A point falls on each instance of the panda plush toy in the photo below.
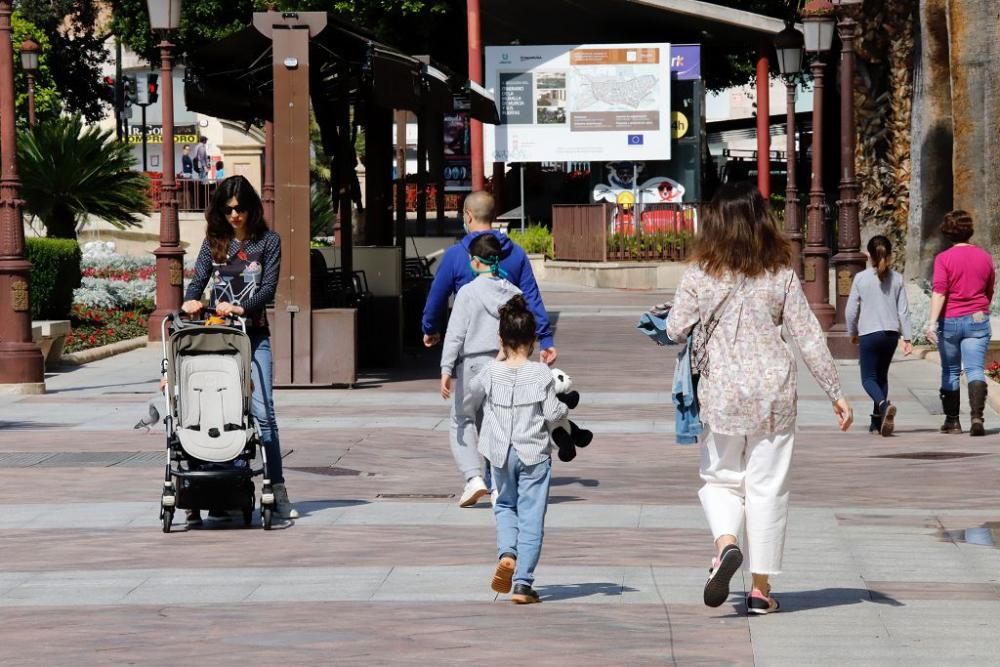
(566, 435)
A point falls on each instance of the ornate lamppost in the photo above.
(849, 260)
(818, 22)
(789, 45)
(165, 16)
(29, 63)
(21, 365)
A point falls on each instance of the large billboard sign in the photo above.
(579, 103)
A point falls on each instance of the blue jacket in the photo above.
(684, 389)
(454, 272)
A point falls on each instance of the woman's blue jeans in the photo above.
(962, 342)
(876, 355)
(262, 405)
(522, 497)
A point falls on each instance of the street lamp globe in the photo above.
(788, 44)
(819, 23)
(29, 55)
(164, 14)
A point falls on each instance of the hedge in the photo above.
(55, 273)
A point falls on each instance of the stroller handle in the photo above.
(181, 320)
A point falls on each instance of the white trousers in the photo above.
(746, 483)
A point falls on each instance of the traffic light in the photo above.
(131, 89)
(152, 88)
(108, 90)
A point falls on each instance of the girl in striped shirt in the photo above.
(518, 398)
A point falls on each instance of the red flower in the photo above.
(93, 339)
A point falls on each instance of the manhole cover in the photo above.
(415, 496)
(929, 456)
(333, 471)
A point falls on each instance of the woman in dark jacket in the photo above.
(240, 260)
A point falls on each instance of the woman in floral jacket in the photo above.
(741, 281)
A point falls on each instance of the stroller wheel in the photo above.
(168, 518)
(266, 517)
(248, 516)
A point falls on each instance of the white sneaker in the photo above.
(475, 489)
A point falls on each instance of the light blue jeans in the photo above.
(522, 498)
(262, 404)
(962, 341)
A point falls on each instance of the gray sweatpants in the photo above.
(465, 422)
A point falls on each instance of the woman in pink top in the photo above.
(741, 279)
(960, 319)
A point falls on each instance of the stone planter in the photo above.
(50, 336)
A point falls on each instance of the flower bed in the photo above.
(94, 327)
(115, 297)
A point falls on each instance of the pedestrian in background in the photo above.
(959, 321)
(220, 172)
(200, 160)
(518, 398)
(877, 314)
(740, 286)
(470, 342)
(187, 166)
(452, 274)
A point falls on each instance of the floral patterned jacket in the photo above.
(751, 383)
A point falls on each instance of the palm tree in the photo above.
(68, 172)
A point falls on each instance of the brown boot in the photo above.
(977, 403)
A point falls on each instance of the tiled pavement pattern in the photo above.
(888, 560)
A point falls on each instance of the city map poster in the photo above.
(579, 103)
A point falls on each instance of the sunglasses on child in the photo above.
(228, 210)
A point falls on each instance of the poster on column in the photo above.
(584, 102)
(457, 153)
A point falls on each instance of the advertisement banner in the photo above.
(183, 134)
(457, 153)
(579, 103)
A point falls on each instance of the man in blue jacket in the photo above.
(452, 274)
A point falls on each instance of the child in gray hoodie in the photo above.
(471, 342)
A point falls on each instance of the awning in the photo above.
(232, 78)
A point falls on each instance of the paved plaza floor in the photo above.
(890, 555)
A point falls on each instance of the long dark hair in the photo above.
(879, 250)
(517, 324)
(740, 235)
(219, 232)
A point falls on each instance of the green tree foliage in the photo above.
(69, 171)
(47, 99)
(74, 51)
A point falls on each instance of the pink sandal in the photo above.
(761, 603)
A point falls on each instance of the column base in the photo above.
(22, 389)
(22, 364)
(840, 345)
(825, 313)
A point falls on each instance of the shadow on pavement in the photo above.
(822, 598)
(557, 500)
(566, 481)
(572, 591)
(306, 507)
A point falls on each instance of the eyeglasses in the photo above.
(228, 210)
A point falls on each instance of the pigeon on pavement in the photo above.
(148, 421)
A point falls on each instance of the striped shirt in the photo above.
(517, 404)
(249, 278)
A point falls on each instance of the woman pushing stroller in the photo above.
(241, 259)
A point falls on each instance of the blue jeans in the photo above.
(522, 497)
(962, 341)
(876, 354)
(262, 404)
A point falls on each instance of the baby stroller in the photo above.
(212, 438)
